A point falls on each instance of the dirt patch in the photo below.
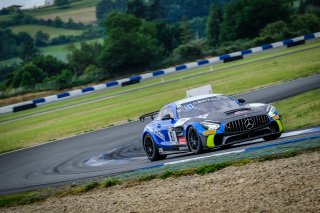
(285, 185)
(25, 97)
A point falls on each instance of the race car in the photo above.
(205, 122)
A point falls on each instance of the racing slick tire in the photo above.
(151, 149)
(194, 141)
(272, 137)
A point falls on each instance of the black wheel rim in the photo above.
(193, 139)
(148, 146)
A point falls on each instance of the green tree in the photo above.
(58, 22)
(131, 44)
(9, 44)
(28, 47)
(49, 64)
(138, 8)
(304, 24)
(64, 79)
(273, 32)
(87, 54)
(213, 25)
(198, 26)
(61, 3)
(104, 7)
(41, 38)
(27, 76)
(189, 52)
(155, 10)
(186, 33)
(26, 80)
(244, 19)
(168, 35)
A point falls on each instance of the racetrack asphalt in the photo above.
(108, 151)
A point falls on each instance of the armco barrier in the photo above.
(24, 107)
(234, 58)
(293, 44)
(183, 67)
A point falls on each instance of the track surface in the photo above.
(109, 151)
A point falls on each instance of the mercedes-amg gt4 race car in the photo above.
(207, 121)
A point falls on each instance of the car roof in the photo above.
(186, 100)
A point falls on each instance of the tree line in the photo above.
(146, 35)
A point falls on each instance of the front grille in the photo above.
(246, 124)
(247, 136)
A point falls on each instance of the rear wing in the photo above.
(150, 114)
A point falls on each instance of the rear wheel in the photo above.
(194, 141)
(151, 149)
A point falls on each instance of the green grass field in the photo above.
(10, 61)
(52, 31)
(60, 51)
(86, 117)
(5, 18)
(80, 11)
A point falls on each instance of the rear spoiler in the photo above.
(150, 114)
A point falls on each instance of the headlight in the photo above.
(210, 125)
(272, 111)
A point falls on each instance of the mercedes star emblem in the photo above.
(249, 123)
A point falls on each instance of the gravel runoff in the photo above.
(285, 185)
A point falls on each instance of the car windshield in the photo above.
(204, 106)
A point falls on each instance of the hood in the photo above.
(233, 113)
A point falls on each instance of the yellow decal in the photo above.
(209, 132)
(276, 117)
(210, 141)
(280, 125)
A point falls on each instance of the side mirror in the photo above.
(241, 101)
(166, 117)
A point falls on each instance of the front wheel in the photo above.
(272, 137)
(151, 149)
(194, 141)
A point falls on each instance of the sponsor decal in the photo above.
(173, 137)
(157, 132)
(276, 117)
(191, 105)
(209, 132)
(182, 140)
(203, 116)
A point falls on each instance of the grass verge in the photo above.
(301, 110)
(268, 55)
(35, 196)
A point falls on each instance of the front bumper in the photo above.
(222, 138)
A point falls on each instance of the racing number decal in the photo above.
(173, 137)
